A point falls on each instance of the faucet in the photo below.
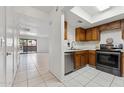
(72, 44)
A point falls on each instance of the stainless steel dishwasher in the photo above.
(69, 62)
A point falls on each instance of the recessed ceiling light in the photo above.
(102, 8)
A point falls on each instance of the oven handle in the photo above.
(114, 53)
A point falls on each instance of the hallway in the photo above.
(33, 72)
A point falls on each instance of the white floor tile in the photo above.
(92, 84)
(21, 84)
(58, 84)
(82, 80)
(72, 83)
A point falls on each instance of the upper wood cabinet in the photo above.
(92, 34)
(89, 34)
(115, 25)
(65, 32)
(79, 34)
(95, 34)
(103, 27)
(122, 28)
(92, 57)
(110, 26)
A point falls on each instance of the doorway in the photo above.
(28, 45)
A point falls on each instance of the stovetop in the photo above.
(110, 50)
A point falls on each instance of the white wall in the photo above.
(42, 44)
(56, 38)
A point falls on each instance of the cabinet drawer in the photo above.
(92, 52)
(81, 52)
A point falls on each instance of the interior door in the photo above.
(2, 46)
(9, 46)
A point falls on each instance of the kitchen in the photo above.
(99, 46)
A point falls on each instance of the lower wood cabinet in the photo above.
(122, 64)
(92, 58)
(81, 59)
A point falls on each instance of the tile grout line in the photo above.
(112, 81)
(92, 79)
(40, 74)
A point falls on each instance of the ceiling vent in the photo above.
(79, 21)
(26, 29)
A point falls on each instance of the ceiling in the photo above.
(46, 9)
(91, 10)
(91, 16)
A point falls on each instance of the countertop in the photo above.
(75, 50)
(122, 50)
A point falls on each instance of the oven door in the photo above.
(109, 59)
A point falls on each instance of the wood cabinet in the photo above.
(92, 34)
(122, 28)
(110, 26)
(92, 57)
(88, 34)
(103, 27)
(81, 59)
(122, 64)
(65, 32)
(79, 34)
(114, 25)
(95, 34)
(77, 61)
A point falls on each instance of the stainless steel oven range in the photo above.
(108, 61)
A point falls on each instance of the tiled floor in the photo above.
(33, 72)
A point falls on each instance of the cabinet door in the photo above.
(77, 62)
(114, 25)
(88, 34)
(92, 58)
(103, 27)
(83, 60)
(122, 28)
(82, 35)
(122, 64)
(95, 34)
(79, 34)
